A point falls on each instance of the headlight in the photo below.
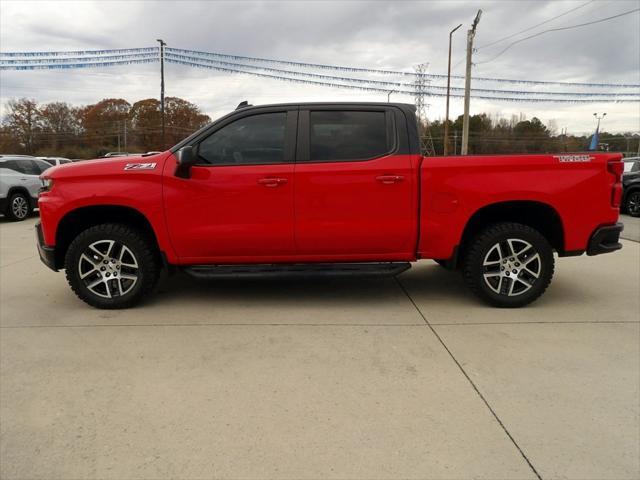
(46, 184)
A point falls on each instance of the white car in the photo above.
(19, 185)
(55, 160)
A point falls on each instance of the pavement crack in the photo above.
(495, 415)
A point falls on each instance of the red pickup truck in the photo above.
(324, 188)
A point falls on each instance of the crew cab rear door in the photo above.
(237, 207)
(355, 195)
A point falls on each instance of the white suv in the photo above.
(19, 185)
(54, 161)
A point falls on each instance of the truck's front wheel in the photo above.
(111, 266)
(509, 265)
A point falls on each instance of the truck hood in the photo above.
(108, 167)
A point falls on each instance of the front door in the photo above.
(238, 204)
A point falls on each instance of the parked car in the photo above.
(324, 188)
(631, 187)
(19, 185)
(55, 160)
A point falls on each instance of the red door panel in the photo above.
(230, 214)
(356, 208)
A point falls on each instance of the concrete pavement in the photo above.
(350, 379)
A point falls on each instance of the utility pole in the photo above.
(446, 122)
(471, 33)
(125, 134)
(162, 45)
(389, 95)
(455, 142)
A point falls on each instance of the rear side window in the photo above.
(348, 135)
(48, 160)
(635, 167)
(258, 139)
(14, 165)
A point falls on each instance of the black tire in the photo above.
(632, 203)
(138, 250)
(498, 242)
(19, 207)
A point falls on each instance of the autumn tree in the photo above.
(23, 121)
(60, 124)
(182, 118)
(103, 122)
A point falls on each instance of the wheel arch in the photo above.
(81, 218)
(535, 214)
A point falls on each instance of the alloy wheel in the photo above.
(633, 205)
(108, 268)
(19, 207)
(511, 267)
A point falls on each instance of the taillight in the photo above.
(616, 168)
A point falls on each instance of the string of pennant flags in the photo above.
(282, 70)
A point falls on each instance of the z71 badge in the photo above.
(140, 166)
(574, 158)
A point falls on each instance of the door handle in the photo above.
(389, 179)
(272, 181)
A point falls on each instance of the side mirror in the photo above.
(186, 159)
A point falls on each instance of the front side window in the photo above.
(348, 136)
(258, 139)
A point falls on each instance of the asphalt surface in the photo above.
(321, 378)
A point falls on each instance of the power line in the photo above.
(386, 90)
(536, 26)
(28, 57)
(396, 72)
(560, 29)
(431, 88)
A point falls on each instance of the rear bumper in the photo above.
(605, 239)
(47, 254)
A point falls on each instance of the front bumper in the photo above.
(605, 239)
(47, 254)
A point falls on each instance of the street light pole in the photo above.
(389, 95)
(162, 45)
(446, 122)
(467, 84)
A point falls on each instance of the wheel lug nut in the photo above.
(102, 269)
(517, 264)
(502, 268)
(514, 271)
(108, 274)
(508, 274)
(512, 259)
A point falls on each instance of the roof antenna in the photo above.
(243, 105)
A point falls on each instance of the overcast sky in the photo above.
(380, 34)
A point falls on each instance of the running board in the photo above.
(297, 269)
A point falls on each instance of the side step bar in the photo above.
(297, 269)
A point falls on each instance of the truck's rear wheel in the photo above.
(509, 265)
(111, 266)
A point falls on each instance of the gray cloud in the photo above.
(389, 34)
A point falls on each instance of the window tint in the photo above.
(247, 141)
(41, 166)
(30, 167)
(14, 165)
(635, 167)
(65, 161)
(343, 135)
(48, 160)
